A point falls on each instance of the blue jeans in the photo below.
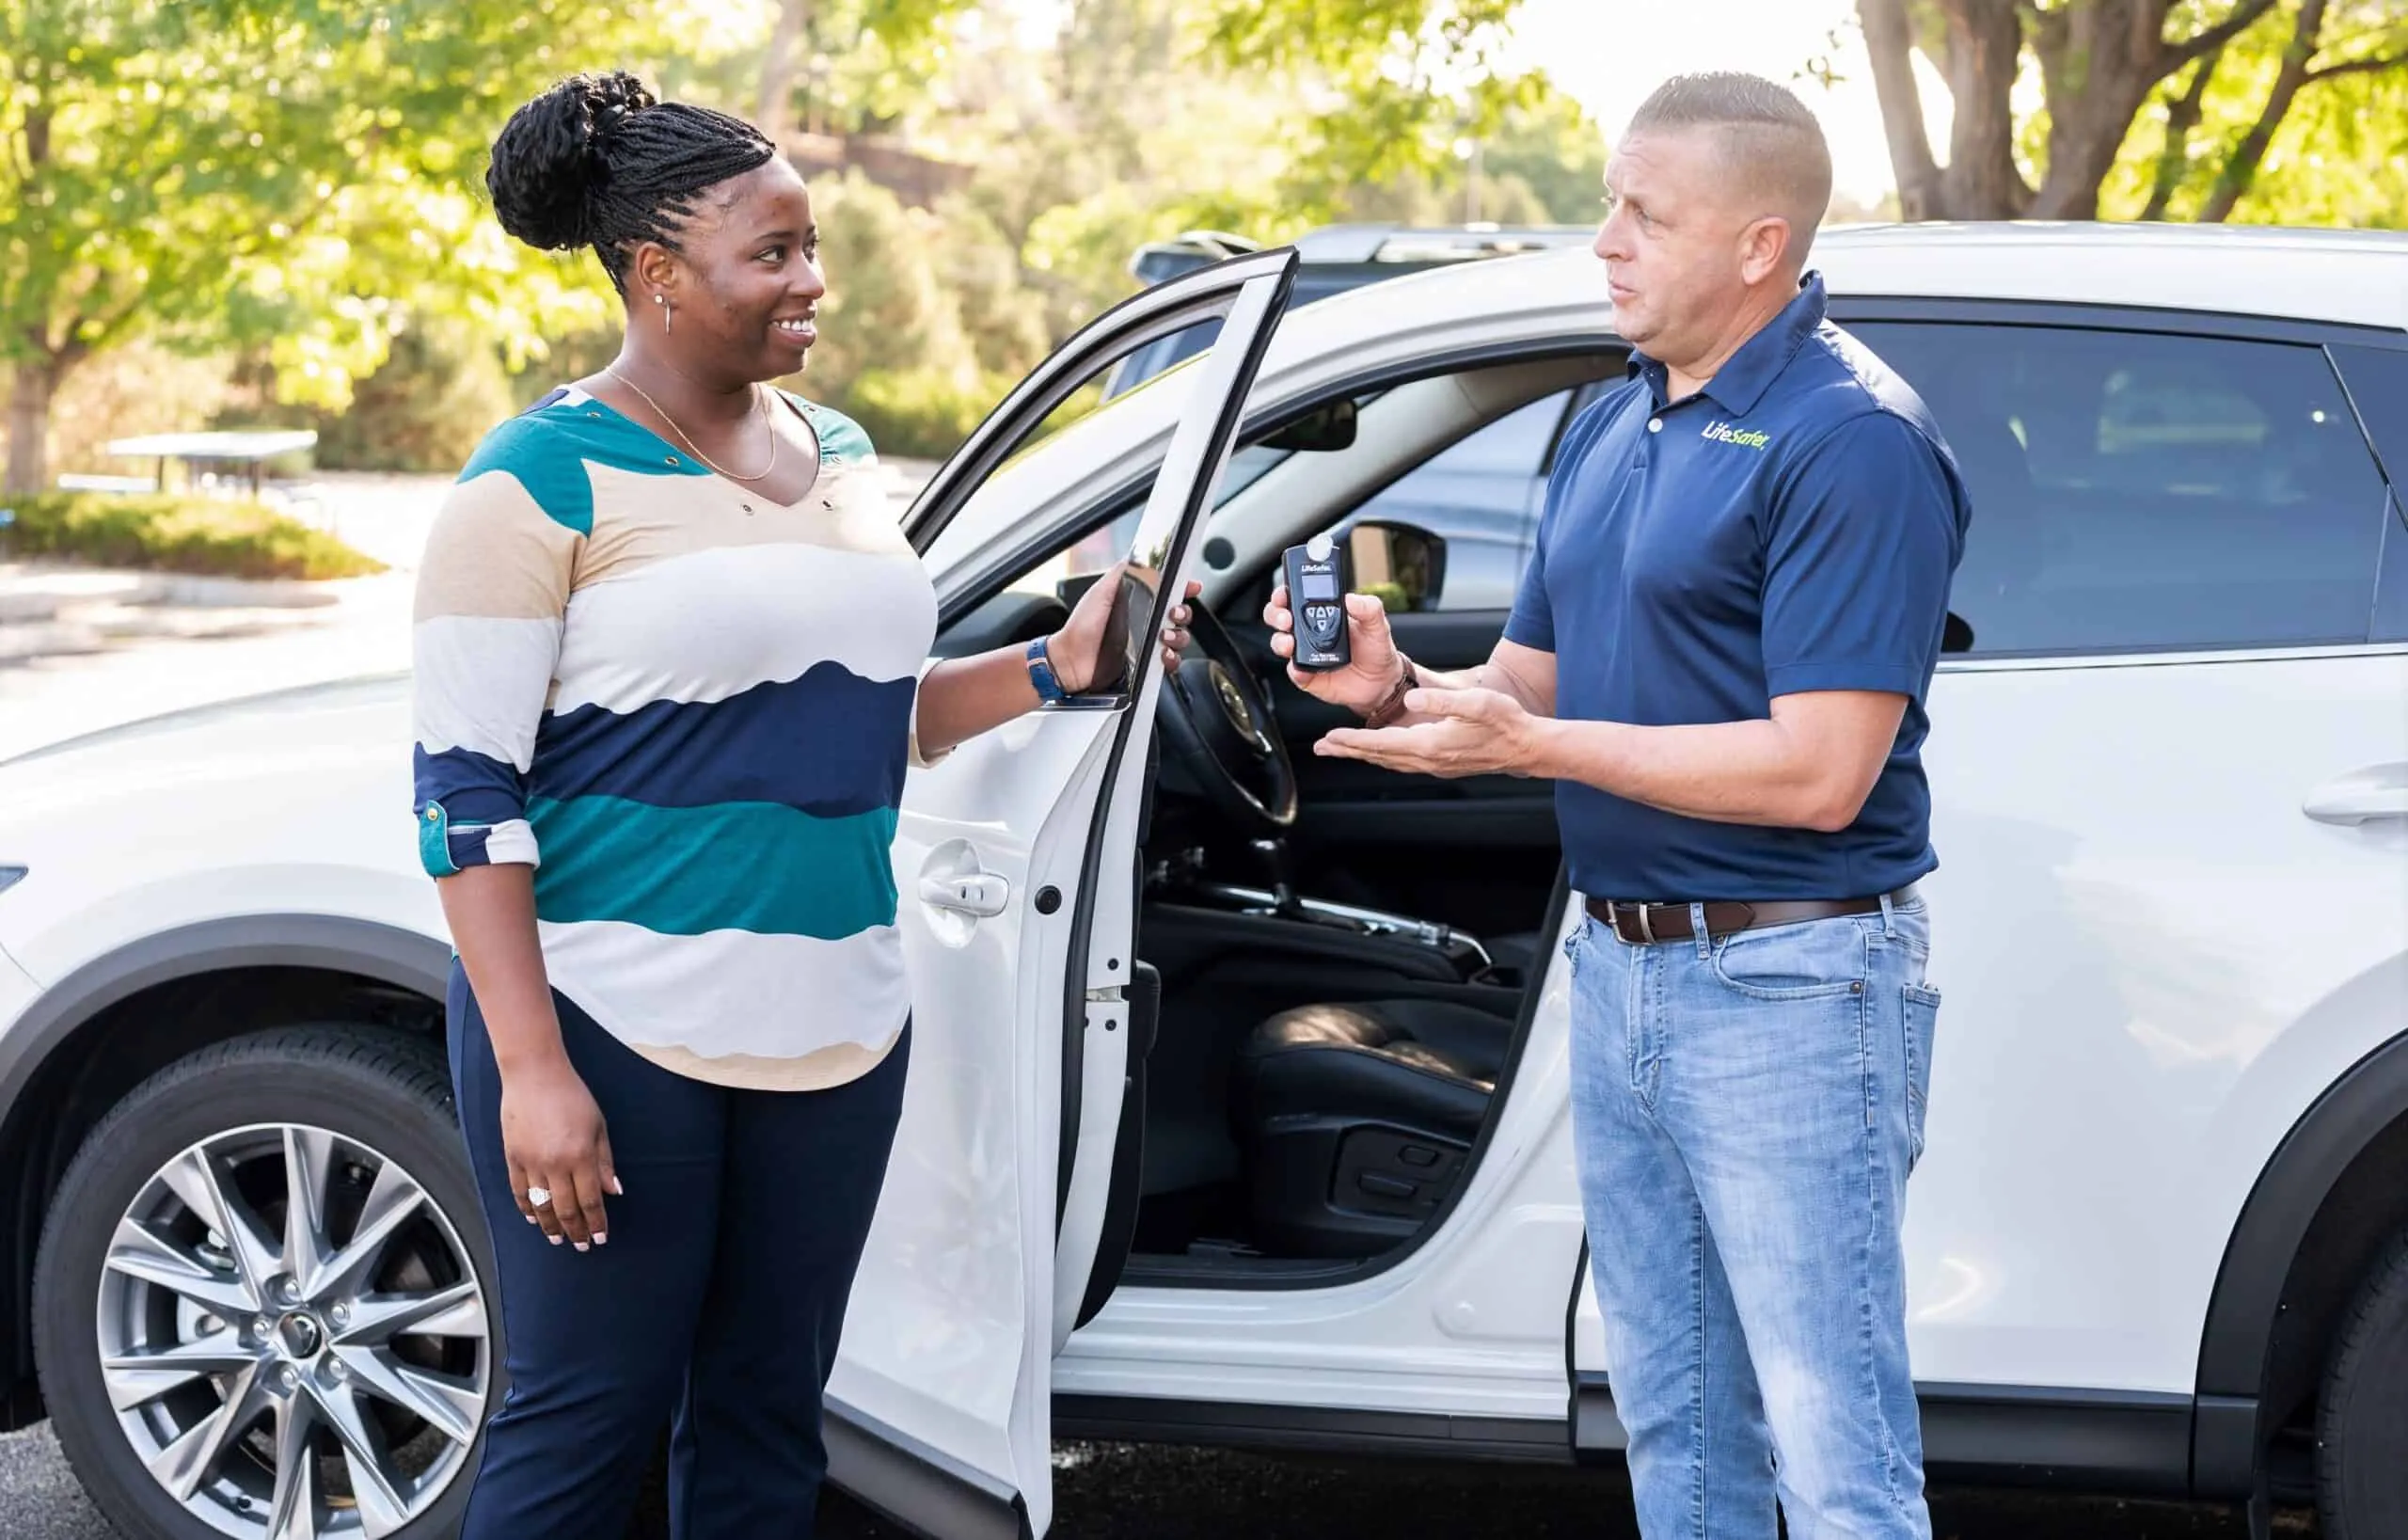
(1745, 1113)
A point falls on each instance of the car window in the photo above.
(2135, 491)
(1102, 548)
(1481, 495)
(1148, 362)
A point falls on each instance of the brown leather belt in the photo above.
(1643, 925)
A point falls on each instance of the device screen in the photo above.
(1320, 585)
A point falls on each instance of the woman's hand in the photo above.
(1076, 650)
(552, 1137)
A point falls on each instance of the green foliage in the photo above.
(435, 395)
(2340, 156)
(884, 306)
(866, 63)
(223, 171)
(177, 534)
(2273, 111)
(1411, 79)
(1557, 152)
(1004, 318)
(918, 413)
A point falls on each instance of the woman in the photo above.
(669, 648)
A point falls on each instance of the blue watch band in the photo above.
(1041, 674)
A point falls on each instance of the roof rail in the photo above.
(1158, 260)
(1367, 243)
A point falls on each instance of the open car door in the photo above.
(1015, 860)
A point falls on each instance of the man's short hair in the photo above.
(1768, 141)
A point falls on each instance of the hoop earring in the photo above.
(667, 311)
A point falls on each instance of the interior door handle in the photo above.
(2379, 791)
(982, 893)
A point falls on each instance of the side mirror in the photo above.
(1404, 567)
(1328, 427)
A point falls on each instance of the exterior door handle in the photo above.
(982, 893)
(2379, 791)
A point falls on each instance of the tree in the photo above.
(1406, 82)
(880, 50)
(300, 173)
(2103, 66)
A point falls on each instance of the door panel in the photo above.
(984, 1243)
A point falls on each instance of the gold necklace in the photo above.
(758, 400)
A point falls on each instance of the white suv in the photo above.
(1237, 1110)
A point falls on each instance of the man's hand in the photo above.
(1478, 732)
(1373, 663)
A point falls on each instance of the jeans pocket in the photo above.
(1812, 961)
(1921, 1022)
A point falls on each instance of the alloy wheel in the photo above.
(293, 1337)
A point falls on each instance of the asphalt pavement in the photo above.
(1125, 1492)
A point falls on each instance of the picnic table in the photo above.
(245, 451)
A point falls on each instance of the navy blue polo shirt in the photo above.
(1791, 527)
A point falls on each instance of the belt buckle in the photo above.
(1614, 909)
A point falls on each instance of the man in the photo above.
(1720, 653)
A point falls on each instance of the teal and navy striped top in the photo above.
(690, 710)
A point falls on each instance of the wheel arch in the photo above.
(2325, 1203)
(88, 1039)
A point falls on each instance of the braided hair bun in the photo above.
(547, 161)
(598, 161)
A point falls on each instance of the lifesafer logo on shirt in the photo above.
(1723, 433)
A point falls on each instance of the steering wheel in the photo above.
(1218, 719)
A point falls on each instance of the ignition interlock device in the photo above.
(1316, 572)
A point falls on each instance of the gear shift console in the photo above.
(1276, 865)
(1186, 873)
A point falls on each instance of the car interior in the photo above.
(1344, 957)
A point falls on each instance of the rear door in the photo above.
(1016, 858)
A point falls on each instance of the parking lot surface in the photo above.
(1125, 1492)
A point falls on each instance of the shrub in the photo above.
(922, 413)
(175, 534)
(886, 309)
(424, 410)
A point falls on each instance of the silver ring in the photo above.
(540, 1197)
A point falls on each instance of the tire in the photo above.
(374, 1341)
(2362, 1421)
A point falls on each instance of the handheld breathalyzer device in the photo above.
(1316, 572)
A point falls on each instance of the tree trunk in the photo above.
(776, 112)
(1889, 37)
(2100, 60)
(2099, 63)
(1985, 44)
(35, 382)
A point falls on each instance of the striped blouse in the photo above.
(689, 709)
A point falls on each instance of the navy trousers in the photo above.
(715, 1309)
